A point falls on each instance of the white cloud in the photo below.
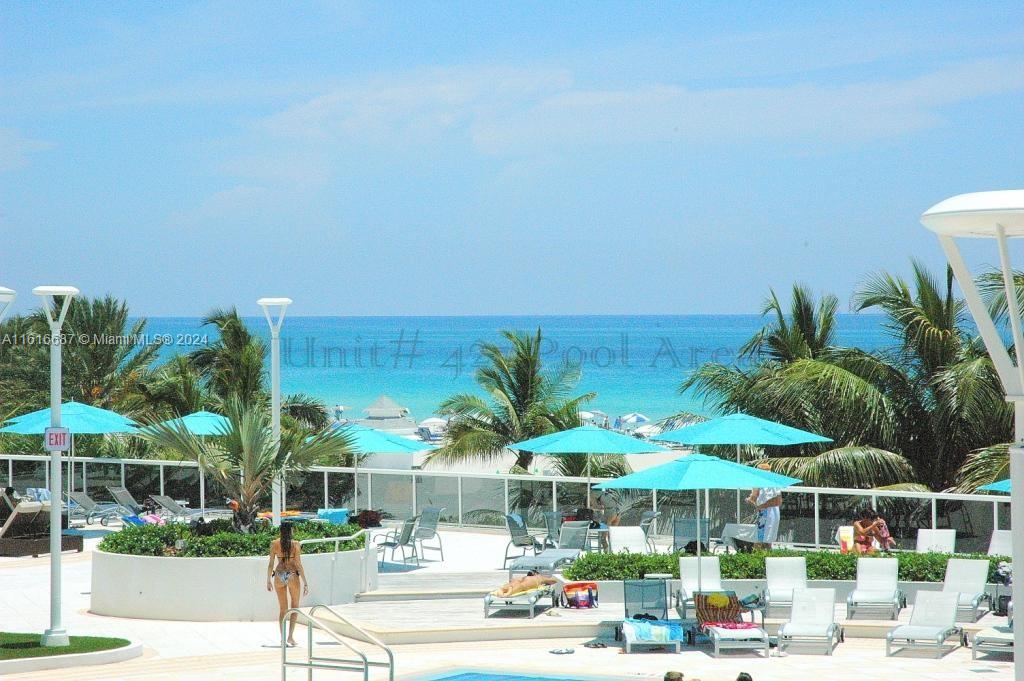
(16, 149)
(510, 111)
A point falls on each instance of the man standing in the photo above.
(767, 501)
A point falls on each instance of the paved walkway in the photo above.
(247, 650)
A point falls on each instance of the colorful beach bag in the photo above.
(579, 595)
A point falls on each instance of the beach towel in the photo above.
(657, 631)
(538, 590)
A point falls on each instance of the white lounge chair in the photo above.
(1001, 543)
(666, 630)
(936, 541)
(710, 580)
(175, 511)
(83, 506)
(784, 575)
(812, 620)
(967, 578)
(932, 623)
(877, 587)
(714, 608)
(993, 640)
(628, 540)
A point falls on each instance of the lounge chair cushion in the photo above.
(522, 595)
(918, 632)
(872, 596)
(804, 630)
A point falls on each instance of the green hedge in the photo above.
(914, 567)
(160, 540)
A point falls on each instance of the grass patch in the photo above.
(18, 646)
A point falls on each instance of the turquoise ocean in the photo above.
(632, 363)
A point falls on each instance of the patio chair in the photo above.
(993, 640)
(932, 623)
(936, 541)
(710, 580)
(426, 529)
(175, 510)
(784, 576)
(124, 498)
(720, 618)
(629, 539)
(519, 537)
(739, 537)
(684, 533)
(572, 541)
(967, 579)
(1001, 543)
(83, 506)
(526, 601)
(877, 587)
(812, 620)
(553, 523)
(647, 521)
(400, 540)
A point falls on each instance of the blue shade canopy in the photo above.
(372, 441)
(1001, 486)
(587, 440)
(740, 429)
(80, 419)
(699, 471)
(201, 423)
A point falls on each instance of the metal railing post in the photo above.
(935, 514)
(995, 515)
(817, 521)
(327, 503)
(161, 480)
(506, 497)
(554, 497)
(415, 506)
(369, 490)
(202, 490)
(458, 491)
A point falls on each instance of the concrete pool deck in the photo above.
(248, 650)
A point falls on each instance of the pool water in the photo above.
(483, 676)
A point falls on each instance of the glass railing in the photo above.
(810, 515)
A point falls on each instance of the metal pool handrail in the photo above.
(362, 663)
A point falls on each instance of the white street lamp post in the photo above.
(55, 635)
(279, 305)
(995, 215)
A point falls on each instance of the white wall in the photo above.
(218, 589)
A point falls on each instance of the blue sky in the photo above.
(485, 158)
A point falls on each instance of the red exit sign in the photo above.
(57, 439)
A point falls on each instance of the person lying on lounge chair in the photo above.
(531, 581)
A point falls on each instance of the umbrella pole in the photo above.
(737, 491)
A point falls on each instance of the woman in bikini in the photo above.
(865, 531)
(285, 575)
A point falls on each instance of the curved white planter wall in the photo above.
(218, 589)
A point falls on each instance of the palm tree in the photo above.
(925, 403)
(807, 331)
(523, 401)
(245, 460)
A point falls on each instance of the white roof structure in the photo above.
(979, 214)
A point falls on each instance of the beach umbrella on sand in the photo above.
(633, 419)
(1001, 486)
(587, 440)
(78, 418)
(699, 472)
(739, 430)
(366, 440)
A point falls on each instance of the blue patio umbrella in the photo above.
(699, 472)
(201, 423)
(587, 440)
(367, 440)
(78, 418)
(1000, 486)
(739, 430)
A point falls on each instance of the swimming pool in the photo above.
(487, 676)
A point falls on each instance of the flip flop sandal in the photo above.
(562, 651)
(594, 644)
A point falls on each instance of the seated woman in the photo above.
(531, 581)
(866, 531)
